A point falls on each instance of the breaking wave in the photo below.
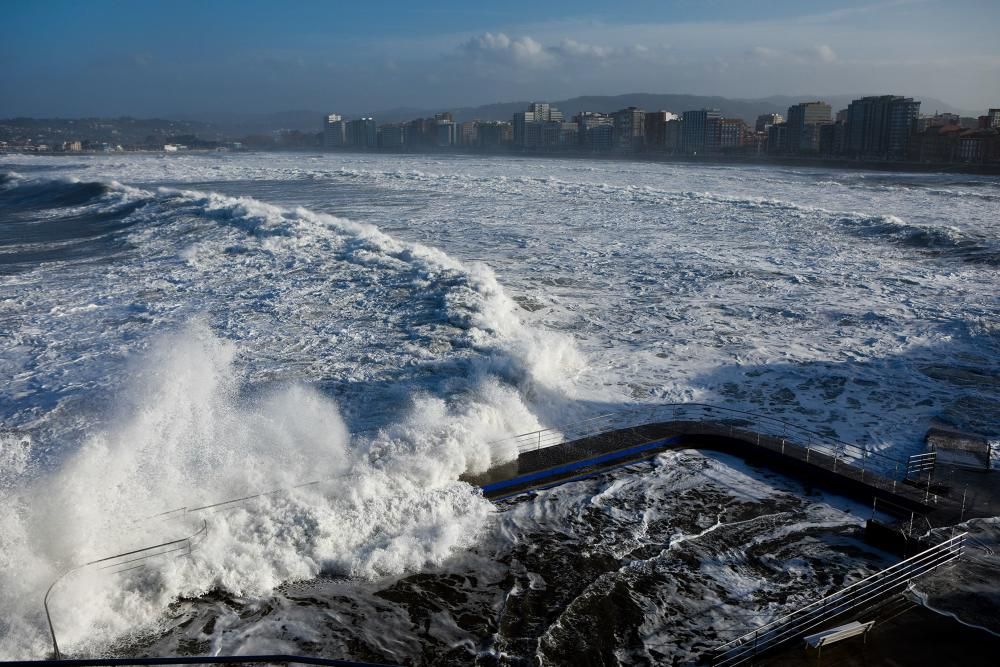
(941, 240)
(194, 425)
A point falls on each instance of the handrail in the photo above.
(188, 541)
(854, 596)
(533, 440)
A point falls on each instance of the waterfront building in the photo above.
(362, 133)
(672, 134)
(713, 133)
(978, 146)
(392, 137)
(421, 132)
(543, 112)
(521, 121)
(529, 130)
(493, 134)
(937, 143)
(629, 127)
(880, 126)
(994, 118)
(832, 138)
(732, 132)
(937, 120)
(595, 131)
(701, 131)
(766, 120)
(334, 131)
(445, 133)
(656, 128)
(802, 135)
(466, 133)
(776, 137)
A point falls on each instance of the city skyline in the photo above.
(185, 58)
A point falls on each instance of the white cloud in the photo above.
(528, 53)
(821, 53)
(824, 53)
(490, 48)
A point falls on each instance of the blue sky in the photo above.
(149, 57)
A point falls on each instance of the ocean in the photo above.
(187, 329)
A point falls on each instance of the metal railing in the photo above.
(853, 598)
(123, 562)
(920, 465)
(761, 424)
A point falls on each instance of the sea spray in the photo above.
(189, 438)
(191, 427)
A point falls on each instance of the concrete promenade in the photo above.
(905, 633)
(868, 477)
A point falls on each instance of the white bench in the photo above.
(821, 639)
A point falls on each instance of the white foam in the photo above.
(187, 438)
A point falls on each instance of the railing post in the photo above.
(836, 457)
(808, 449)
(539, 445)
(782, 446)
(961, 517)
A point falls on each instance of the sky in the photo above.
(182, 58)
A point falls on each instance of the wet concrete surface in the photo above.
(911, 636)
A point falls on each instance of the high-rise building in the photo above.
(445, 133)
(543, 111)
(777, 137)
(528, 125)
(595, 131)
(802, 135)
(493, 134)
(362, 133)
(629, 128)
(994, 118)
(672, 134)
(334, 131)
(832, 138)
(522, 119)
(466, 133)
(880, 126)
(700, 131)
(766, 120)
(392, 137)
(731, 133)
(656, 128)
(713, 133)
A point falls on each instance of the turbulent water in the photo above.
(183, 330)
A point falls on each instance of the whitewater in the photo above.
(183, 330)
